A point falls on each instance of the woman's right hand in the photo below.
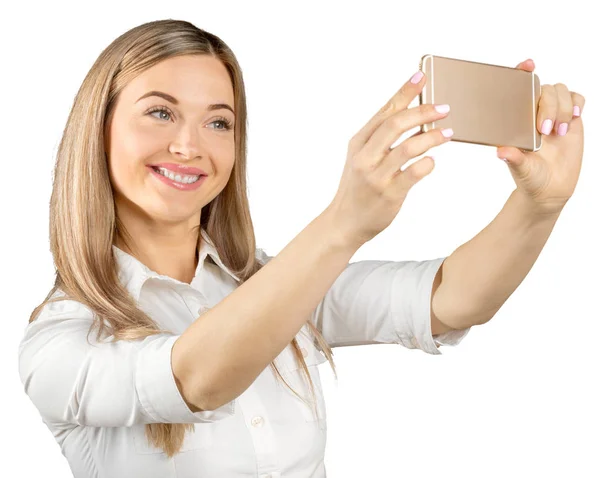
(373, 188)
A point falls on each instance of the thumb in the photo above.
(514, 157)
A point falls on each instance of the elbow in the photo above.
(196, 402)
(193, 393)
(196, 395)
(463, 319)
(460, 315)
(206, 399)
(202, 401)
(198, 386)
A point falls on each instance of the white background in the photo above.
(519, 396)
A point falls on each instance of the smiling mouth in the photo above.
(177, 177)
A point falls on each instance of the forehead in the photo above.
(196, 80)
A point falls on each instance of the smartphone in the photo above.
(489, 104)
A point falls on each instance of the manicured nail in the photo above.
(416, 77)
(547, 126)
(562, 129)
(447, 132)
(442, 108)
(576, 111)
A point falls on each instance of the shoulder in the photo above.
(58, 323)
(59, 306)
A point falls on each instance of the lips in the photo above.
(177, 185)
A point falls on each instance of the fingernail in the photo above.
(576, 111)
(562, 129)
(442, 108)
(416, 77)
(447, 132)
(547, 126)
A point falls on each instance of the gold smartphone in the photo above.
(489, 104)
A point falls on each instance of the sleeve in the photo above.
(71, 378)
(410, 306)
(383, 302)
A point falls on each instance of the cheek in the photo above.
(131, 150)
(224, 155)
(140, 143)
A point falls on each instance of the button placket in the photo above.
(196, 305)
(262, 434)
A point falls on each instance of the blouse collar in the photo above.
(133, 273)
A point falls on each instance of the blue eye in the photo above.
(161, 109)
(226, 122)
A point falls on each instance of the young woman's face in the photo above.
(186, 132)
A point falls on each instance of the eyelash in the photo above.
(228, 124)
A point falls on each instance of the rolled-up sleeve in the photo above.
(410, 307)
(72, 378)
(382, 302)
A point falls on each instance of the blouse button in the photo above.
(257, 421)
(304, 352)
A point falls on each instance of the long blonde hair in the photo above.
(83, 219)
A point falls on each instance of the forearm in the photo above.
(480, 275)
(224, 350)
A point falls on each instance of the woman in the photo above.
(154, 249)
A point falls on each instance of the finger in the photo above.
(527, 65)
(414, 173)
(412, 147)
(547, 107)
(398, 102)
(578, 102)
(395, 126)
(564, 112)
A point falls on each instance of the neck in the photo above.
(178, 262)
(166, 248)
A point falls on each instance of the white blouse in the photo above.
(96, 397)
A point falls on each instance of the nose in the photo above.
(187, 143)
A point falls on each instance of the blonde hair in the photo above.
(83, 219)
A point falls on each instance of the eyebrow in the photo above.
(166, 96)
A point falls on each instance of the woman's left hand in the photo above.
(548, 176)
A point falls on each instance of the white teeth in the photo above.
(184, 179)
